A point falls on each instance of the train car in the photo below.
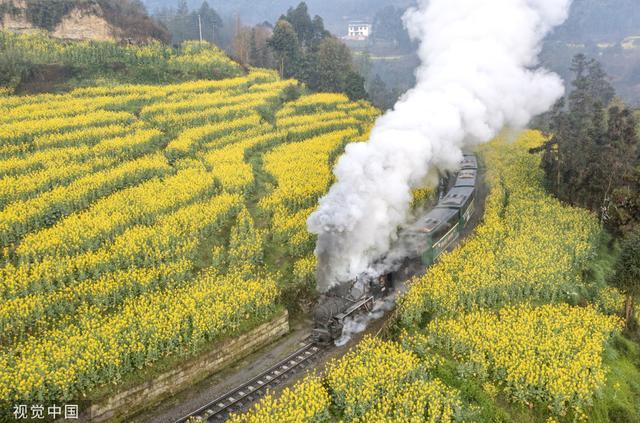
(461, 199)
(466, 178)
(469, 161)
(439, 229)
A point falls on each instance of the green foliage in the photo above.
(380, 95)
(183, 25)
(305, 50)
(628, 268)
(12, 68)
(284, 43)
(333, 66)
(310, 32)
(21, 55)
(590, 159)
(625, 202)
(301, 22)
(627, 277)
(389, 27)
(291, 93)
(620, 399)
(354, 87)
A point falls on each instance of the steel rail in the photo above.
(254, 388)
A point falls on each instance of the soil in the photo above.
(45, 79)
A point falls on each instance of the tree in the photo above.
(301, 22)
(388, 26)
(379, 93)
(624, 213)
(593, 150)
(211, 23)
(591, 85)
(310, 32)
(319, 33)
(183, 8)
(284, 43)
(183, 24)
(354, 86)
(627, 276)
(261, 54)
(303, 49)
(334, 64)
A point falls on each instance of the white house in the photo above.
(359, 31)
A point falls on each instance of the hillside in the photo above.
(596, 20)
(157, 205)
(32, 63)
(113, 20)
(606, 29)
(511, 326)
(336, 13)
(165, 217)
(600, 21)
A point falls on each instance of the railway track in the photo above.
(237, 398)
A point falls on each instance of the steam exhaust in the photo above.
(478, 74)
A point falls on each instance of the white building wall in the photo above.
(359, 31)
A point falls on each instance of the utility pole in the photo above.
(200, 27)
(213, 39)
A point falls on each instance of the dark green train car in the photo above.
(440, 229)
(461, 199)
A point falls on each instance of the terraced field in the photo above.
(140, 222)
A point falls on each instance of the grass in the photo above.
(619, 401)
(603, 266)
(481, 406)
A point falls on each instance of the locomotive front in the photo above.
(345, 301)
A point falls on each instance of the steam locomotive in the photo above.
(425, 240)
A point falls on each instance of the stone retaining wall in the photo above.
(189, 373)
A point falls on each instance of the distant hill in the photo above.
(336, 13)
(600, 21)
(82, 19)
(608, 30)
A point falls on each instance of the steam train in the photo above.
(425, 240)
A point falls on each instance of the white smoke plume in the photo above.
(478, 75)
